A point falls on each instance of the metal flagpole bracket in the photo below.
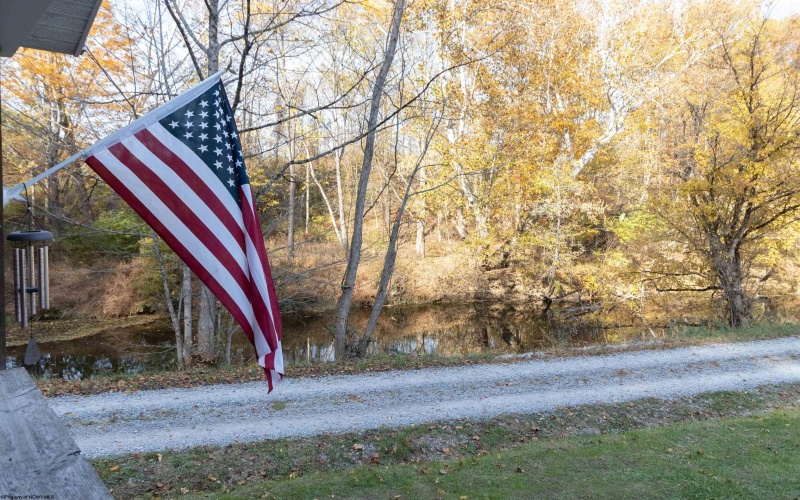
(13, 193)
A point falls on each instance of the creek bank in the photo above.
(388, 361)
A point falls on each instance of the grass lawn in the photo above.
(721, 444)
(738, 457)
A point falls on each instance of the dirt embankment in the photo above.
(86, 299)
(310, 281)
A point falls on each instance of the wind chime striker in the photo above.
(31, 277)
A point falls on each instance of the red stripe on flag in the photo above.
(270, 383)
(253, 227)
(260, 307)
(182, 211)
(272, 329)
(187, 256)
(194, 181)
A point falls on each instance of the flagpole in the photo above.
(143, 122)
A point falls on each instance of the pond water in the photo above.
(445, 330)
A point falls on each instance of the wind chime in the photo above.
(31, 277)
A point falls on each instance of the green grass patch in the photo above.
(271, 466)
(738, 457)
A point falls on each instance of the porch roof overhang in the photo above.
(52, 25)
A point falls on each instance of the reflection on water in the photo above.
(445, 330)
(122, 350)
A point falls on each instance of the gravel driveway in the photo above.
(114, 424)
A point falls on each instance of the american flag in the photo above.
(181, 169)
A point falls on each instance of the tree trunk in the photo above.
(174, 316)
(359, 348)
(206, 324)
(186, 293)
(728, 266)
(420, 244)
(308, 195)
(461, 224)
(337, 159)
(83, 197)
(337, 230)
(213, 36)
(206, 331)
(52, 203)
(349, 281)
(230, 329)
(454, 135)
(290, 216)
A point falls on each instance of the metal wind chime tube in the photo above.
(17, 303)
(22, 298)
(44, 277)
(32, 289)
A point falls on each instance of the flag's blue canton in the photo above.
(207, 127)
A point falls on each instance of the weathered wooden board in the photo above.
(37, 454)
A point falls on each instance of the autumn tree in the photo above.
(55, 105)
(733, 164)
(533, 136)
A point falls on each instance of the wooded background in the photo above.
(601, 152)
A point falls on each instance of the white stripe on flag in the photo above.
(177, 228)
(278, 361)
(262, 348)
(185, 193)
